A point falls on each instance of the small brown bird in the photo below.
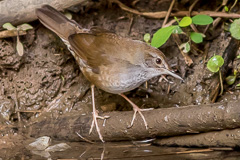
(110, 62)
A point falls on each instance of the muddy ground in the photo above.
(47, 78)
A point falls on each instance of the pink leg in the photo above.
(136, 109)
(95, 116)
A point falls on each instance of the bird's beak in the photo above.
(168, 72)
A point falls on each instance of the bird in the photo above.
(110, 62)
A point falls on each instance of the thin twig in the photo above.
(34, 111)
(82, 154)
(195, 151)
(168, 13)
(163, 14)
(196, 49)
(130, 24)
(102, 154)
(85, 139)
(189, 14)
(221, 82)
(192, 6)
(217, 20)
(11, 33)
(233, 5)
(224, 3)
(169, 87)
(215, 23)
(205, 54)
(215, 93)
(135, 2)
(170, 23)
(187, 59)
(17, 104)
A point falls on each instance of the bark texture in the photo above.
(162, 122)
(23, 11)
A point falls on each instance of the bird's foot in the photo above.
(94, 122)
(139, 110)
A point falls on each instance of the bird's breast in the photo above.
(114, 79)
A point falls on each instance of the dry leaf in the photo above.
(19, 47)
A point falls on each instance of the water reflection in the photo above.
(119, 150)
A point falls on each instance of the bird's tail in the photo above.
(57, 22)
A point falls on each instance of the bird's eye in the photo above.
(158, 61)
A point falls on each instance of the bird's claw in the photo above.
(137, 109)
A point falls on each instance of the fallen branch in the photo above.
(18, 12)
(162, 122)
(225, 138)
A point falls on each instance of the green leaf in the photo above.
(147, 37)
(185, 47)
(9, 26)
(230, 80)
(202, 19)
(24, 27)
(215, 63)
(162, 35)
(238, 56)
(238, 85)
(177, 30)
(196, 37)
(186, 21)
(226, 8)
(235, 29)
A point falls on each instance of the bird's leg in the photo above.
(136, 109)
(95, 116)
(164, 77)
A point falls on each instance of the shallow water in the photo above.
(119, 150)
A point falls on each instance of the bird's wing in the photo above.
(97, 49)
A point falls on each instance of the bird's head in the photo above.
(155, 61)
